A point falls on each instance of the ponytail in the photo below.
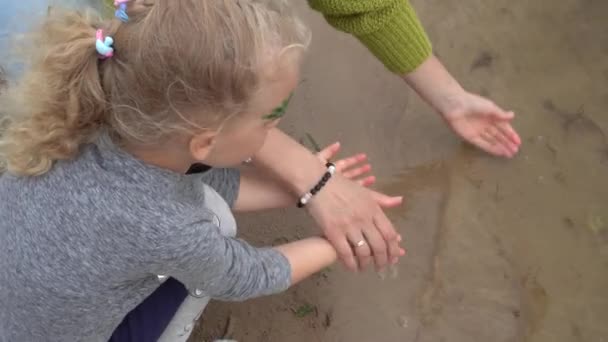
(60, 103)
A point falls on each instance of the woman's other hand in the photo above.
(475, 119)
(483, 124)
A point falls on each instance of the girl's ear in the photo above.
(202, 144)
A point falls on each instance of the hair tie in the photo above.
(104, 45)
(121, 10)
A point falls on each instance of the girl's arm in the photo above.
(259, 191)
(226, 268)
(307, 256)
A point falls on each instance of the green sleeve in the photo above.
(389, 28)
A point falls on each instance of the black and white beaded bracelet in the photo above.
(331, 170)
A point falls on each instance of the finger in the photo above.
(402, 251)
(386, 201)
(508, 130)
(345, 252)
(498, 113)
(378, 246)
(497, 147)
(501, 140)
(511, 141)
(390, 236)
(501, 114)
(356, 172)
(488, 136)
(394, 251)
(487, 146)
(505, 117)
(507, 141)
(363, 252)
(367, 181)
(346, 163)
(329, 152)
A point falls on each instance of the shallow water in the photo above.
(545, 214)
(523, 244)
(499, 250)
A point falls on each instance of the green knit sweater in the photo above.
(389, 28)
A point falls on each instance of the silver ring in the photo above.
(360, 243)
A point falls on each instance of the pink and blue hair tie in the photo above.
(104, 45)
(121, 10)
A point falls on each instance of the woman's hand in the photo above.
(353, 220)
(361, 219)
(483, 124)
(345, 211)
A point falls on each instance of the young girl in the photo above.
(100, 225)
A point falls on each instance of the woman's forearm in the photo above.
(287, 160)
(433, 82)
(308, 256)
(269, 182)
(390, 29)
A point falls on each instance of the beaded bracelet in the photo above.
(331, 170)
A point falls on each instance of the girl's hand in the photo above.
(354, 168)
(483, 124)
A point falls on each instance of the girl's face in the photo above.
(244, 135)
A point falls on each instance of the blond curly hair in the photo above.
(177, 64)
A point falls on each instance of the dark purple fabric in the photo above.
(149, 319)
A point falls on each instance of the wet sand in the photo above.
(498, 250)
